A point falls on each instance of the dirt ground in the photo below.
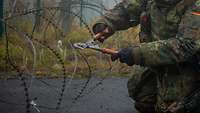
(110, 96)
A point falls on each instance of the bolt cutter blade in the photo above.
(89, 44)
(94, 46)
(80, 45)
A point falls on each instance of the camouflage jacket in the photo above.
(174, 41)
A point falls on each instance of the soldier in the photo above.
(170, 33)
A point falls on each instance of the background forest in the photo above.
(38, 36)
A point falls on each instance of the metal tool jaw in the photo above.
(89, 44)
(94, 45)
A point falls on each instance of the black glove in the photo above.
(125, 56)
(100, 27)
(176, 108)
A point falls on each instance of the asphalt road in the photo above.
(109, 97)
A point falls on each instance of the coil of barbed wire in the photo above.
(34, 43)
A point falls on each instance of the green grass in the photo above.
(47, 64)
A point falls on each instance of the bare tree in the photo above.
(38, 5)
(1, 17)
(81, 12)
(65, 15)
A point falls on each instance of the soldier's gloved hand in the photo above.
(176, 108)
(125, 56)
(102, 32)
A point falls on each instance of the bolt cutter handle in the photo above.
(109, 51)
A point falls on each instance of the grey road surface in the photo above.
(109, 97)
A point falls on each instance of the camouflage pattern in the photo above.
(142, 89)
(124, 15)
(171, 53)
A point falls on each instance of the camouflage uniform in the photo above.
(170, 53)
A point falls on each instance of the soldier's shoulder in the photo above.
(193, 10)
(196, 6)
(192, 13)
(190, 22)
(197, 3)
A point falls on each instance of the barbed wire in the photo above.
(57, 55)
(19, 71)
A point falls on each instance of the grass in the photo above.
(48, 65)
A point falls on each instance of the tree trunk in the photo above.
(38, 5)
(81, 12)
(1, 17)
(66, 21)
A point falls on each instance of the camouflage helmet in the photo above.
(166, 3)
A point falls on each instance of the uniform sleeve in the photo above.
(124, 15)
(192, 104)
(174, 50)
